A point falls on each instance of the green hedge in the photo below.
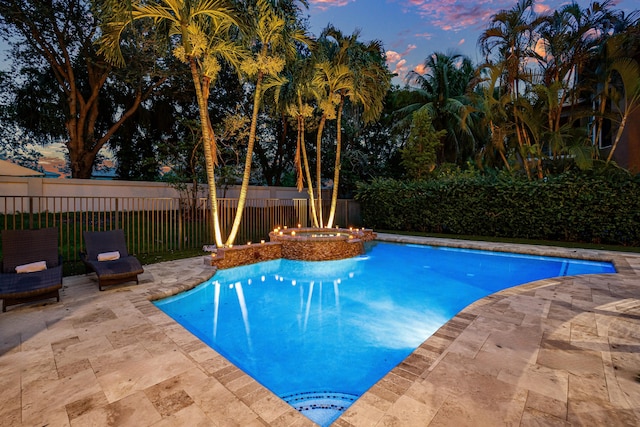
(571, 208)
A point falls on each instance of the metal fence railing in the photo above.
(155, 225)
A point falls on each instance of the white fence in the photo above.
(155, 216)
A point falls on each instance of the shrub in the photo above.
(572, 207)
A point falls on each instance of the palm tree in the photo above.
(489, 99)
(273, 35)
(568, 40)
(200, 34)
(511, 32)
(444, 90)
(618, 42)
(357, 72)
(327, 81)
(291, 97)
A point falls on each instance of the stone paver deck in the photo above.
(562, 351)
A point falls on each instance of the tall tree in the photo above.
(273, 33)
(53, 42)
(292, 96)
(201, 33)
(365, 84)
(511, 34)
(568, 39)
(490, 100)
(444, 90)
(329, 77)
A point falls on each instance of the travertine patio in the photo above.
(554, 352)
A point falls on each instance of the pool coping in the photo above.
(411, 375)
(521, 378)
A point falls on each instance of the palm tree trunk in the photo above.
(323, 120)
(521, 144)
(297, 161)
(623, 123)
(500, 149)
(600, 117)
(314, 214)
(305, 163)
(248, 160)
(336, 173)
(208, 144)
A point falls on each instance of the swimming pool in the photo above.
(319, 334)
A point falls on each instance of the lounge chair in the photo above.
(106, 254)
(35, 254)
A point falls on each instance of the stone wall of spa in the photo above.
(296, 247)
(244, 254)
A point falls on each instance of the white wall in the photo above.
(53, 187)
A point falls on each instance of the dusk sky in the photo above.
(410, 30)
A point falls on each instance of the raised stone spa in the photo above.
(304, 244)
(321, 244)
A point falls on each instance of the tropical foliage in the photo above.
(237, 92)
(538, 93)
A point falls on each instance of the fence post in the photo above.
(30, 212)
(117, 213)
(180, 228)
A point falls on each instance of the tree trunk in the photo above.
(82, 145)
(623, 123)
(247, 163)
(323, 120)
(80, 161)
(521, 144)
(336, 173)
(208, 143)
(305, 160)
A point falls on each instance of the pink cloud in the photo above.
(420, 69)
(401, 69)
(326, 4)
(461, 42)
(424, 35)
(393, 56)
(541, 8)
(396, 61)
(455, 15)
(541, 48)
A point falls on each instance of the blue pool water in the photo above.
(319, 334)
